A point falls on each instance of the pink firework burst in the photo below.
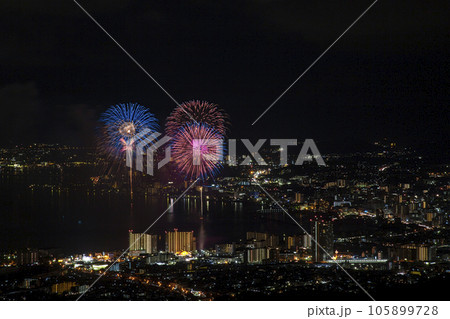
(127, 145)
(197, 112)
(197, 150)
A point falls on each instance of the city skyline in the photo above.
(237, 151)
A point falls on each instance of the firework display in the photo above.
(197, 149)
(197, 112)
(196, 146)
(121, 124)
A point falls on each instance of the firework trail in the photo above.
(197, 149)
(197, 112)
(120, 125)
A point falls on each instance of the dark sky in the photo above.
(387, 77)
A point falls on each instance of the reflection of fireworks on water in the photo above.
(197, 150)
(120, 126)
(196, 111)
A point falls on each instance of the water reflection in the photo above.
(79, 220)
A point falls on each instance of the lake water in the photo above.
(80, 221)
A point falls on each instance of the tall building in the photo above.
(307, 242)
(412, 252)
(180, 241)
(401, 211)
(293, 242)
(143, 243)
(299, 198)
(257, 255)
(225, 249)
(27, 257)
(322, 233)
(269, 240)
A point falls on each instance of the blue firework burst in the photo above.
(122, 123)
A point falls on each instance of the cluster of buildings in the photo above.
(174, 242)
(255, 248)
(386, 209)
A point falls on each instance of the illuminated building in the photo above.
(293, 242)
(27, 257)
(269, 240)
(299, 198)
(63, 287)
(342, 203)
(412, 252)
(323, 241)
(401, 211)
(225, 249)
(159, 258)
(29, 283)
(257, 255)
(256, 236)
(143, 243)
(341, 183)
(180, 241)
(307, 242)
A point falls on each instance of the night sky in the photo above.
(387, 77)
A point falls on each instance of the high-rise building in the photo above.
(257, 255)
(412, 252)
(180, 241)
(269, 240)
(143, 243)
(323, 241)
(299, 198)
(256, 236)
(429, 216)
(307, 242)
(225, 249)
(401, 211)
(293, 242)
(27, 257)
